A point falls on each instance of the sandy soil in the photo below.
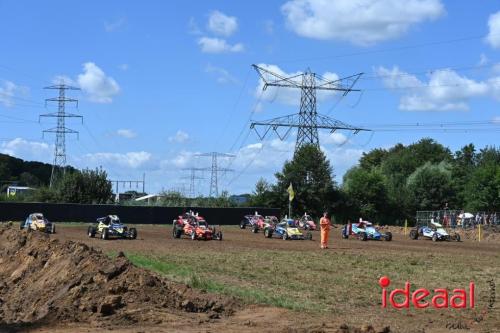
(158, 240)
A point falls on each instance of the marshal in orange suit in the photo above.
(325, 225)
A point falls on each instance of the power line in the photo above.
(394, 49)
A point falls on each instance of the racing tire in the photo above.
(91, 231)
(219, 236)
(363, 236)
(242, 225)
(414, 234)
(176, 233)
(457, 238)
(52, 228)
(268, 233)
(285, 236)
(388, 236)
(105, 234)
(344, 232)
(434, 237)
(132, 233)
(255, 230)
(21, 225)
(193, 235)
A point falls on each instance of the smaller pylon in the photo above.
(215, 170)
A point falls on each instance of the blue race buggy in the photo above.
(434, 231)
(364, 230)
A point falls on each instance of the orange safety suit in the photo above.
(325, 230)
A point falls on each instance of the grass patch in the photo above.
(333, 282)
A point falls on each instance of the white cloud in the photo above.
(126, 133)
(8, 92)
(180, 160)
(361, 22)
(179, 137)
(217, 45)
(114, 25)
(493, 37)
(131, 160)
(223, 76)
(335, 138)
(496, 120)
(286, 95)
(445, 90)
(28, 150)
(221, 24)
(94, 82)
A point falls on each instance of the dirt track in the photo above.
(158, 240)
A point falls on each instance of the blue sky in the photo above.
(161, 81)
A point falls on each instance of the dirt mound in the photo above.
(43, 280)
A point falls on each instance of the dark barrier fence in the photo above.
(17, 211)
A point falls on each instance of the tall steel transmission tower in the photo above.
(215, 170)
(193, 177)
(59, 163)
(307, 121)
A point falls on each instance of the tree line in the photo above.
(388, 185)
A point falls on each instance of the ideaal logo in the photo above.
(460, 298)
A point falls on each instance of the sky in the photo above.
(163, 81)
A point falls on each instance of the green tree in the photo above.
(262, 196)
(430, 186)
(311, 175)
(366, 189)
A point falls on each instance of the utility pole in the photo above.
(124, 183)
(307, 121)
(192, 178)
(215, 170)
(59, 162)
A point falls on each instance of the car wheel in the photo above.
(133, 233)
(91, 231)
(255, 230)
(242, 225)
(105, 234)
(220, 235)
(388, 236)
(434, 237)
(267, 233)
(344, 232)
(193, 235)
(457, 237)
(285, 236)
(413, 234)
(53, 229)
(363, 236)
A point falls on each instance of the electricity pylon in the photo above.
(59, 162)
(193, 177)
(307, 121)
(214, 177)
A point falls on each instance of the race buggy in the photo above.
(434, 231)
(110, 226)
(255, 222)
(364, 230)
(37, 221)
(286, 229)
(306, 222)
(195, 227)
